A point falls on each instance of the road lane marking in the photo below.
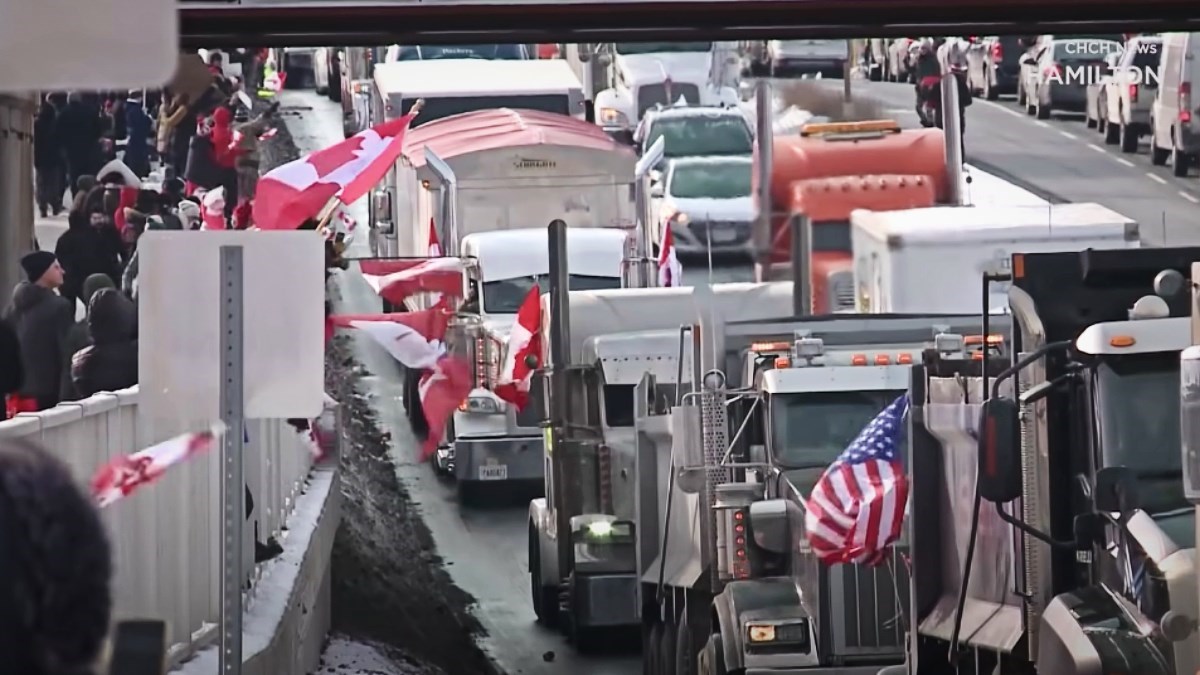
(1097, 148)
(1157, 179)
(1189, 197)
(1067, 134)
(1041, 124)
(1004, 108)
(1124, 161)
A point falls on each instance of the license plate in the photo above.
(723, 236)
(493, 472)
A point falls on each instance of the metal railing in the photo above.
(166, 536)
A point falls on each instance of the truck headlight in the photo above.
(481, 405)
(789, 633)
(613, 117)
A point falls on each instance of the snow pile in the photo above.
(344, 656)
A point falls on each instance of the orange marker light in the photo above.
(858, 360)
(1122, 341)
(882, 359)
(904, 359)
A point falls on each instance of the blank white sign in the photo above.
(283, 287)
(87, 44)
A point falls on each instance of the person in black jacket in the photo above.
(87, 248)
(111, 362)
(48, 161)
(79, 131)
(41, 319)
(12, 373)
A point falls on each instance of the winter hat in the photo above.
(35, 264)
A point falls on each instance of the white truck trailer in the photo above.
(501, 169)
(933, 259)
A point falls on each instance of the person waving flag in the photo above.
(856, 509)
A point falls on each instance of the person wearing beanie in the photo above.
(41, 319)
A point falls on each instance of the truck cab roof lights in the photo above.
(973, 340)
(840, 128)
(883, 360)
(770, 346)
(783, 362)
(904, 359)
(858, 360)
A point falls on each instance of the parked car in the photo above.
(1128, 95)
(994, 66)
(807, 57)
(1097, 94)
(1057, 73)
(1174, 135)
(706, 202)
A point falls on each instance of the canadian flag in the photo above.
(397, 280)
(442, 389)
(212, 209)
(266, 135)
(435, 247)
(129, 186)
(415, 339)
(524, 341)
(294, 192)
(123, 475)
(670, 271)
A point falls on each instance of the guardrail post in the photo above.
(233, 479)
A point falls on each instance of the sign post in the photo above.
(232, 466)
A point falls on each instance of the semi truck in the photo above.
(933, 259)
(1071, 551)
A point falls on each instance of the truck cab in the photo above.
(642, 75)
(492, 442)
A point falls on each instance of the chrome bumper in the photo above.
(498, 458)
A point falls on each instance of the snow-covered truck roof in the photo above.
(474, 77)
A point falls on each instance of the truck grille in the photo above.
(841, 291)
(651, 95)
(864, 608)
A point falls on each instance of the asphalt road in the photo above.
(1062, 158)
(485, 549)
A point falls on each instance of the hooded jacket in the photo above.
(138, 126)
(41, 319)
(84, 250)
(78, 337)
(110, 363)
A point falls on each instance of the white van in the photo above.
(1175, 134)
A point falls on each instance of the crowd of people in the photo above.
(101, 150)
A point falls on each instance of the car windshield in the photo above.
(695, 136)
(713, 180)
(1138, 400)
(810, 430)
(630, 48)
(506, 295)
(514, 52)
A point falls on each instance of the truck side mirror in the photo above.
(585, 51)
(770, 525)
(999, 454)
(1116, 490)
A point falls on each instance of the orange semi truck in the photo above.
(828, 171)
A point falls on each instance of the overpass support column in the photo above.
(16, 187)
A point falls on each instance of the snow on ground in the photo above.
(344, 656)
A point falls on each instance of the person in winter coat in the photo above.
(12, 374)
(170, 114)
(225, 156)
(78, 337)
(47, 160)
(247, 157)
(111, 362)
(41, 319)
(89, 246)
(137, 128)
(79, 132)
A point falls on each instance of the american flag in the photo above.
(857, 507)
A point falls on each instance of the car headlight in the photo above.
(481, 405)
(789, 632)
(613, 117)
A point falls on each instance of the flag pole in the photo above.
(326, 212)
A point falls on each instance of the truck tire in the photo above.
(1129, 139)
(1180, 163)
(650, 656)
(666, 650)
(545, 600)
(412, 402)
(712, 659)
(685, 650)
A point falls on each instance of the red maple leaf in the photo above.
(334, 157)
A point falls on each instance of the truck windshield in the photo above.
(810, 430)
(693, 136)
(711, 180)
(437, 108)
(506, 295)
(631, 48)
(513, 52)
(1138, 413)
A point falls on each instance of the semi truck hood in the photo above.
(738, 209)
(691, 67)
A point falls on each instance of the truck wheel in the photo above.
(685, 651)
(545, 600)
(1180, 163)
(1112, 133)
(412, 402)
(1129, 139)
(650, 655)
(666, 650)
(1158, 156)
(712, 659)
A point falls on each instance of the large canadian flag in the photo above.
(415, 339)
(397, 280)
(126, 474)
(524, 341)
(290, 194)
(670, 270)
(442, 389)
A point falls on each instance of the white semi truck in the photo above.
(933, 259)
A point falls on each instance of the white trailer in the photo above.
(500, 170)
(933, 259)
